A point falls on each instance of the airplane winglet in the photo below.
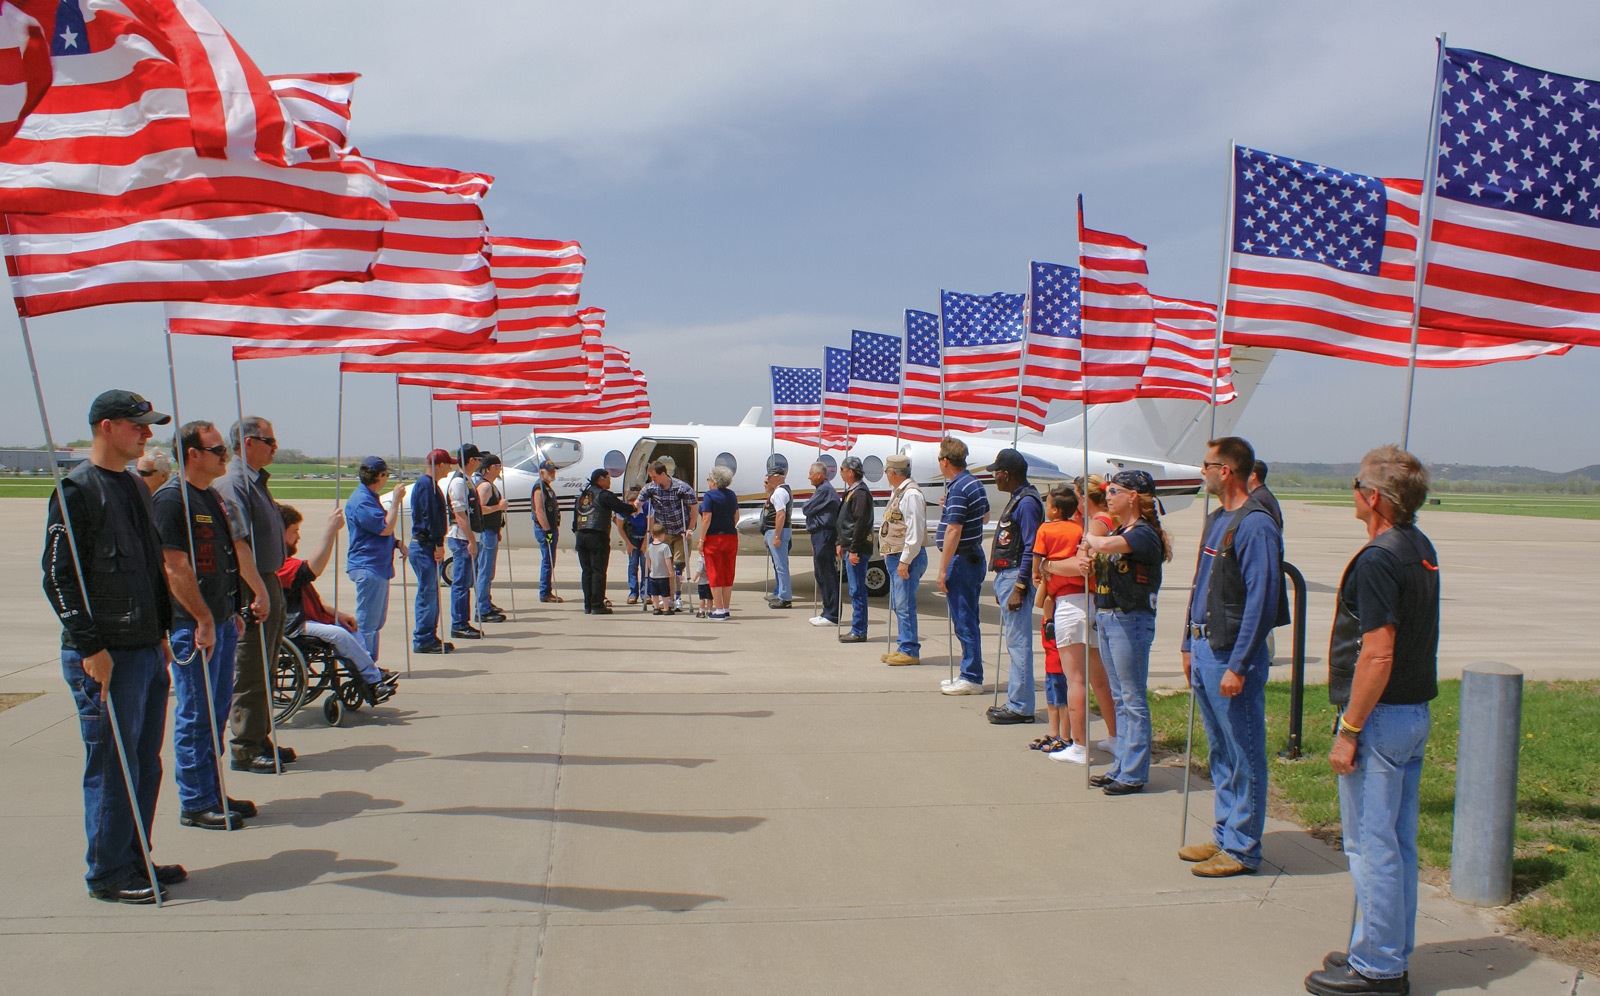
(751, 417)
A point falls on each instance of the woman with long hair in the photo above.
(1127, 577)
(1091, 510)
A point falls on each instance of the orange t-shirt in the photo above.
(1056, 541)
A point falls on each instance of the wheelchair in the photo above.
(306, 668)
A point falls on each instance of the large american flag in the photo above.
(1515, 248)
(431, 282)
(983, 359)
(921, 406)
(623, 401)
(319, 107)
(1324, 261)
(797, 404)
(153, 106)
(1118, 314)
(1182, 354)
(874, 380)
(836, 398)
(1053, 367)
(25, 40)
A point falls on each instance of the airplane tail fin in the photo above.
(1176, 428)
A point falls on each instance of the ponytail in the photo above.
(1147, 514)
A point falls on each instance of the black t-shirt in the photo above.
(215, 567)
(1387, 592)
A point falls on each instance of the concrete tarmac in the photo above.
(632, 804)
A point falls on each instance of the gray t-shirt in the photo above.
(248, 502)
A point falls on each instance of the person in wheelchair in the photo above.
(305, 614)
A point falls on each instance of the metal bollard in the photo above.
(1486, 784)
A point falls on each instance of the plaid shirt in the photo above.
(671, 506)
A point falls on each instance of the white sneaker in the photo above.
(1072, 755)
(819, 621)
(1108, 745)
(962, 686)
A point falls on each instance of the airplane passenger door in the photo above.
(638, 462)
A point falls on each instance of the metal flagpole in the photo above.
(889, 622)
(949, 620)
(269, 665)
(1216, 373)
(181, 452)
(1430, 172)
(1088, 581)
(77, 565)
(470, 567)
(338, 476)
(511, 574)
(399, 527)
(772, 447)
(1022, 359)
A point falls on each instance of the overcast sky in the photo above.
(751, 181)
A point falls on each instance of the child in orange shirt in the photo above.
(1063, 627)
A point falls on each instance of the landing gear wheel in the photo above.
(445, 566)
(333, 710)
(877, 579)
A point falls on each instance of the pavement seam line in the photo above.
(550, 851)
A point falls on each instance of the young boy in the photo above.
(699, 575)
(635, 536)
(1057, 539)
(661, 581)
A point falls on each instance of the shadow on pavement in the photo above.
(444, 672)
(640, 822)
(366, 758)
(570, 897)
(1452, 966)
(747, 714)
(283, 872)
(612, 651)
(527, 757)
(596, 670)
(318, 811)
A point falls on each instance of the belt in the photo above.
(1198, 631)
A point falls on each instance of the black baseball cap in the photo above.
(1010, 461)
(489, 460)
(469, 452)
(125, 404)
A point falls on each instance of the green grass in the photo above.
(1556, 868)
(1547, 506)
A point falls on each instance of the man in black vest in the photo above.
(1259, 491)
(1236, 600)
(591, 526)
(1383, 671)
(492, 504)
(114, 620)
(1011, 559)
(855, 544)
(822, 522)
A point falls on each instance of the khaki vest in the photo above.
(892, 534)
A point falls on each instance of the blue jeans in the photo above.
(780, 563)
(855, 580)
(1378, 808)
(483, 567)
(825, 572)
(1236, 728)
(1125, 649)
(903, 599)
(636, 564)
(347, 645)
(192, 722)
(139, 686)
(461, 573)
(547, 561)
(963, 583)
(372, 606)
(1016, 628)
(426, 569)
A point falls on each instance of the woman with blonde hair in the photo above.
(1127, 578)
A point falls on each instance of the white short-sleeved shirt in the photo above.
(780, 498)
(455, 493)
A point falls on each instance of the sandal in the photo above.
(608, 603)
(1041, 743)
(633, 600)
(551, 598)
(657, 612)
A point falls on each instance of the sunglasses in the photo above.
(1112, 489)
(1207, 465)
(1357, 485)
(220, 450)
(269, 440)
(148, 473)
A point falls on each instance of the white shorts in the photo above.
(1072, 623)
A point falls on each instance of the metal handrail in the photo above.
(1297, 666)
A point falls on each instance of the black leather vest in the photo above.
(588, 514)
(769, 512)
(491, 521)
(126, 591)
(1344, 645)
(1006, 552)
(552, 506)
(1225, 593)
(1126, 584)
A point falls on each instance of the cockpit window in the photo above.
(560, 450)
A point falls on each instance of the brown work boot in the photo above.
(1220, 865)
(1198, 852)
(897, 658)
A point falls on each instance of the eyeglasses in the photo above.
(148, 473)
(1207, 465)
(1357, 485)
(220, 450)
(269, 440)
(1112, 489)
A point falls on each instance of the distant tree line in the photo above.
(1577, 484)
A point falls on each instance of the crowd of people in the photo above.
(191, 581)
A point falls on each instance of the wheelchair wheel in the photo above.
(351, 694)
(333, 710)
(288, 682)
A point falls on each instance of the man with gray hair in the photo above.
(902, 539)
(822, 518)
(154, 469)
(775, 529)
(257, 531)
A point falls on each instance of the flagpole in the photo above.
(511, 573)
(77, 565)
(949, 620)
(1430, 172)
(338, 476)
(399, 525)
(181, 451)
(1088, 582)
(471, 567)
(269, 667)
(1022, 360)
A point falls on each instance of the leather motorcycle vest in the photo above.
(769, 511)
(1225, 592)
(1006, 552)
(123, 599)
(491, 521)
(1344, 644)
(552, 507)
(588, 513)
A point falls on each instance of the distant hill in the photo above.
(1308, 473)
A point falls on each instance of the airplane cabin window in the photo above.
(519, 456)
(616, 464)
(873, 468)
(829, 464)
(727, 460)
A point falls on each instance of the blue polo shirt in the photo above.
(965, 504)
(370, 550)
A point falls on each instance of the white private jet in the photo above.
(1165, 437)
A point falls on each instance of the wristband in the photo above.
(1345, 727)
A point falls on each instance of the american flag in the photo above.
(431, 282)
(1182, 354)
(1515, 249)
(836, 398)
(797, 404)
(1324, 261)
(520, 373)
(623, 402)
(152, 106)
(1053, 368)
(319, 107)
(212, 251)
(26, 28)
(983, 359)
(1118, 314)
(538, 282)
(921, 407)
(874, 380)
